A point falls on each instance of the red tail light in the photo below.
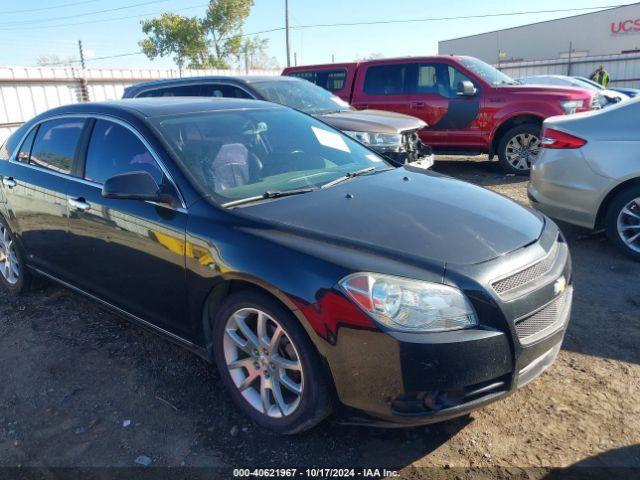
(555, 139)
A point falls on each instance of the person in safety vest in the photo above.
(600, 76)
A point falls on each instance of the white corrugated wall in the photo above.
(28, 91)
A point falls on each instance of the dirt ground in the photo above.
(83, 388)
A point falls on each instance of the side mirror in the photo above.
(134, 186)
(466, 89)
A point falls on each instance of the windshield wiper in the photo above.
(269, 194)
(349, 175)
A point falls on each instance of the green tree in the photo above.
(223, 27)
(171, 34)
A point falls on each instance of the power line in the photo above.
(97, 12)
(62, 5)
(461, 17)
(342, 24)
(104, 20)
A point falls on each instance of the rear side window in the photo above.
(386, 79)
(114, 149)
(55, 144)
(182, 91)
(332, 80)
(4, 151)
(25, 149)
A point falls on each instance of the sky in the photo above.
(54, 29)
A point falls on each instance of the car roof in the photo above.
(247, 80)
(160, 106)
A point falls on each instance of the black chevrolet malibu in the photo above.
(316, 276)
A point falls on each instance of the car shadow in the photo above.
(617, 463)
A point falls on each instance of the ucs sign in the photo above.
(625, 26)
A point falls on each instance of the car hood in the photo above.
(377, 121)
(408, 215)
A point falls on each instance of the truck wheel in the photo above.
(622, 222)
(518, 148)
(269, 365)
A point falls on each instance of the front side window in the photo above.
(232, 155)
(386, 79)
(55, 144)
(113, 150)
(223, 90)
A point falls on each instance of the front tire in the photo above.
(622, 222)
(14, 275)
(518, 148)
(269, 364)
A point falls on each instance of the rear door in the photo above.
(35, 184)
(129, 253)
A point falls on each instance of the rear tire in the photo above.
(518, 148)
(14, 276)
(280, 383)
(622, 222)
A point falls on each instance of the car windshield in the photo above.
(487, 72)
(301, 95)
(238, 154)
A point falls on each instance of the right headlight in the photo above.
(410, 305)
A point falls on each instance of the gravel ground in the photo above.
(82, 388)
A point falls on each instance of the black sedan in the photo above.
(316, 276)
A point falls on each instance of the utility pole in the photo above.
(286, 27)
(569, 60)
(333, 58)
(295, 59)
(81, 54)
(84, 86)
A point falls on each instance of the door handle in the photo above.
(79, 204)
(417, 105)
(9, 182)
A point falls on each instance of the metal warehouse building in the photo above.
(569, 46)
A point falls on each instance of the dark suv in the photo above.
(392, 134)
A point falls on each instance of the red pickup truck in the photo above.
(470, 106)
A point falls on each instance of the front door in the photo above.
(454, 121)
(130, 253)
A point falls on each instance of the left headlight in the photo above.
(379, 140)
(410, 305)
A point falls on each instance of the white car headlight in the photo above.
(380, 140)
(571, 106)
(410, 305)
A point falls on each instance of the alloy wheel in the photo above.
(9, 266)
(628, 224)
(521, 150)
(263, 362)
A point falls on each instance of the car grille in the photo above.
(543, 319)
(526, 275)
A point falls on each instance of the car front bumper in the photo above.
(404, 379)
